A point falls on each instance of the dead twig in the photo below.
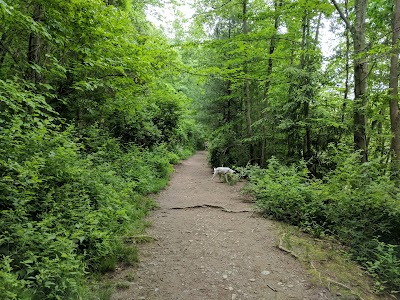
(330, 280)
(275, 290)
(140, 238)
(342, 285)
(281, 247)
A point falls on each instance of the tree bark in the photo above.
(34, 46)
(304, 64)
(277, 4)
(360, 79)
(360, 74)
(347, 65)
(394, 89)
(247, 98)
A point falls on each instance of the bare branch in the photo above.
(342, 15)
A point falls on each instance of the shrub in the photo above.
(358, 203)
(68, 197)
(62, 214)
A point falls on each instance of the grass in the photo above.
(329, 265)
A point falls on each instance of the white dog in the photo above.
(223, 171)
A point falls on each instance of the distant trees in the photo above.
(294, 102)
(99, 62)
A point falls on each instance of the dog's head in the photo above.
(230, 171)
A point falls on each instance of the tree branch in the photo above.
(213, 8)
(8, 51)
(342, 15)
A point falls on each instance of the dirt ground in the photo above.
(209, 244)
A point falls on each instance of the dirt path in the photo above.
(209, 245)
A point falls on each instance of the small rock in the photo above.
(225, 276)
(230, 288)
(252, 279)
(265, 272)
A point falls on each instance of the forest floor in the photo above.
(207, 243)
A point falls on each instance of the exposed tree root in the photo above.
(213, 206)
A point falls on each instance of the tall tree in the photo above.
(246, 87)
(360, 73)
(272, 46)
(394, 88)
(34, 45)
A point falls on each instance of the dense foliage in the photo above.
(357, 203)
(96, 105)
(91, 121)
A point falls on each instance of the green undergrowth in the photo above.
(358, 204)
(69, 199)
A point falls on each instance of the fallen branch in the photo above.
(319, 273)
(339, 284)
(272, 288)
(345, 287)
(212, 206)
(330, 280)
(281, 247)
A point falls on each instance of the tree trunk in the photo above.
(34, 46)
(360, 79)
(3, 51)
(347, 66)
(360, 74)
(247, 98)
(394, 90)
(305, 66)
(268, 75)
(228, 92)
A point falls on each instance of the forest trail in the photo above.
(209, 245)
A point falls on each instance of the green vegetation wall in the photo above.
(91, 121)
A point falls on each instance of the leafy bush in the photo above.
(11, 287)
(63, 211)
(65, 207)
(385, 265)
(358, 203)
